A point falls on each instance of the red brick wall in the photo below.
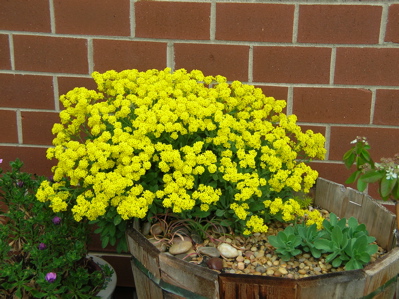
(336, 64)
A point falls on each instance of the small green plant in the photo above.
(286, 243)
(347, 242)
(309, 234)
(343, 241)
(42, 253)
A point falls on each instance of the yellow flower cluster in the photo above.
(291, 209)
(154, 141)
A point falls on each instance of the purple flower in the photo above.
(51, 277)
(1, 161)
(56, 220)
(20, 184)
(42, 246)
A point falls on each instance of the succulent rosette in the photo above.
(180, 142)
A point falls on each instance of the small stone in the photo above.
(215, 263)
(227, 250)
(240, 258)
(260, 269)
(269, 271)
(301, 271)
(145, 230)
(180, 247)
(277, 273)
(259, 254)
(158, 244)
(241, 266)
(209, 251)
(282, 270)
(157, 229)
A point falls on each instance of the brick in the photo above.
(5, 62)
(226, 60)
(254, 22)
(92, 17)
(392, 30)
(26, 91)
(50, 54)
(367, 66)
(172, 20)
(386, 107)
(291, 64)
(121, 55)
(23, 15)
(277, 92)
(332, 105)
(332, 171)
(8, 126)
(34, 159)
(339, 24)
(384, 142)
(66, 84)
(36, 127)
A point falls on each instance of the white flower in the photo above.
(391, 175)
(353, 141)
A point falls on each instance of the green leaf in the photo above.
(201, 214)
(323, 244)
(117, 219)
(349, 158)
(361, 185)
(372, 176)
(219, 213)
(353, 177)
(386, 186)
(104, 241)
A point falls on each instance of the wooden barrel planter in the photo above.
(158, 275)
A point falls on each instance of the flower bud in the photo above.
(56, 220)
(51, 277)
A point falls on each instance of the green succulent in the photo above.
(286, 243)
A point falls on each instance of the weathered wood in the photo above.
(147, 254)
(239, 286)
(377, 280)
(381, 272)
(347, 202)
(180, 273)
(348, 285)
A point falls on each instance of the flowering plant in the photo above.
(385, 173)
(42, 253)
(179, 142)
(367, 171)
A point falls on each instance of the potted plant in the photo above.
(43, 253)
(194, 148)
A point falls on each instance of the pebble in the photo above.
(227, 250)
(260, 269)
(180, 247)
(215, 263)
(209, 251)
(282, 270)
(240, 266)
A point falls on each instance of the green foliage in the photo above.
(367, 171)
(308, 235)
(286, 243)
(343, 241)
(34, 243)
